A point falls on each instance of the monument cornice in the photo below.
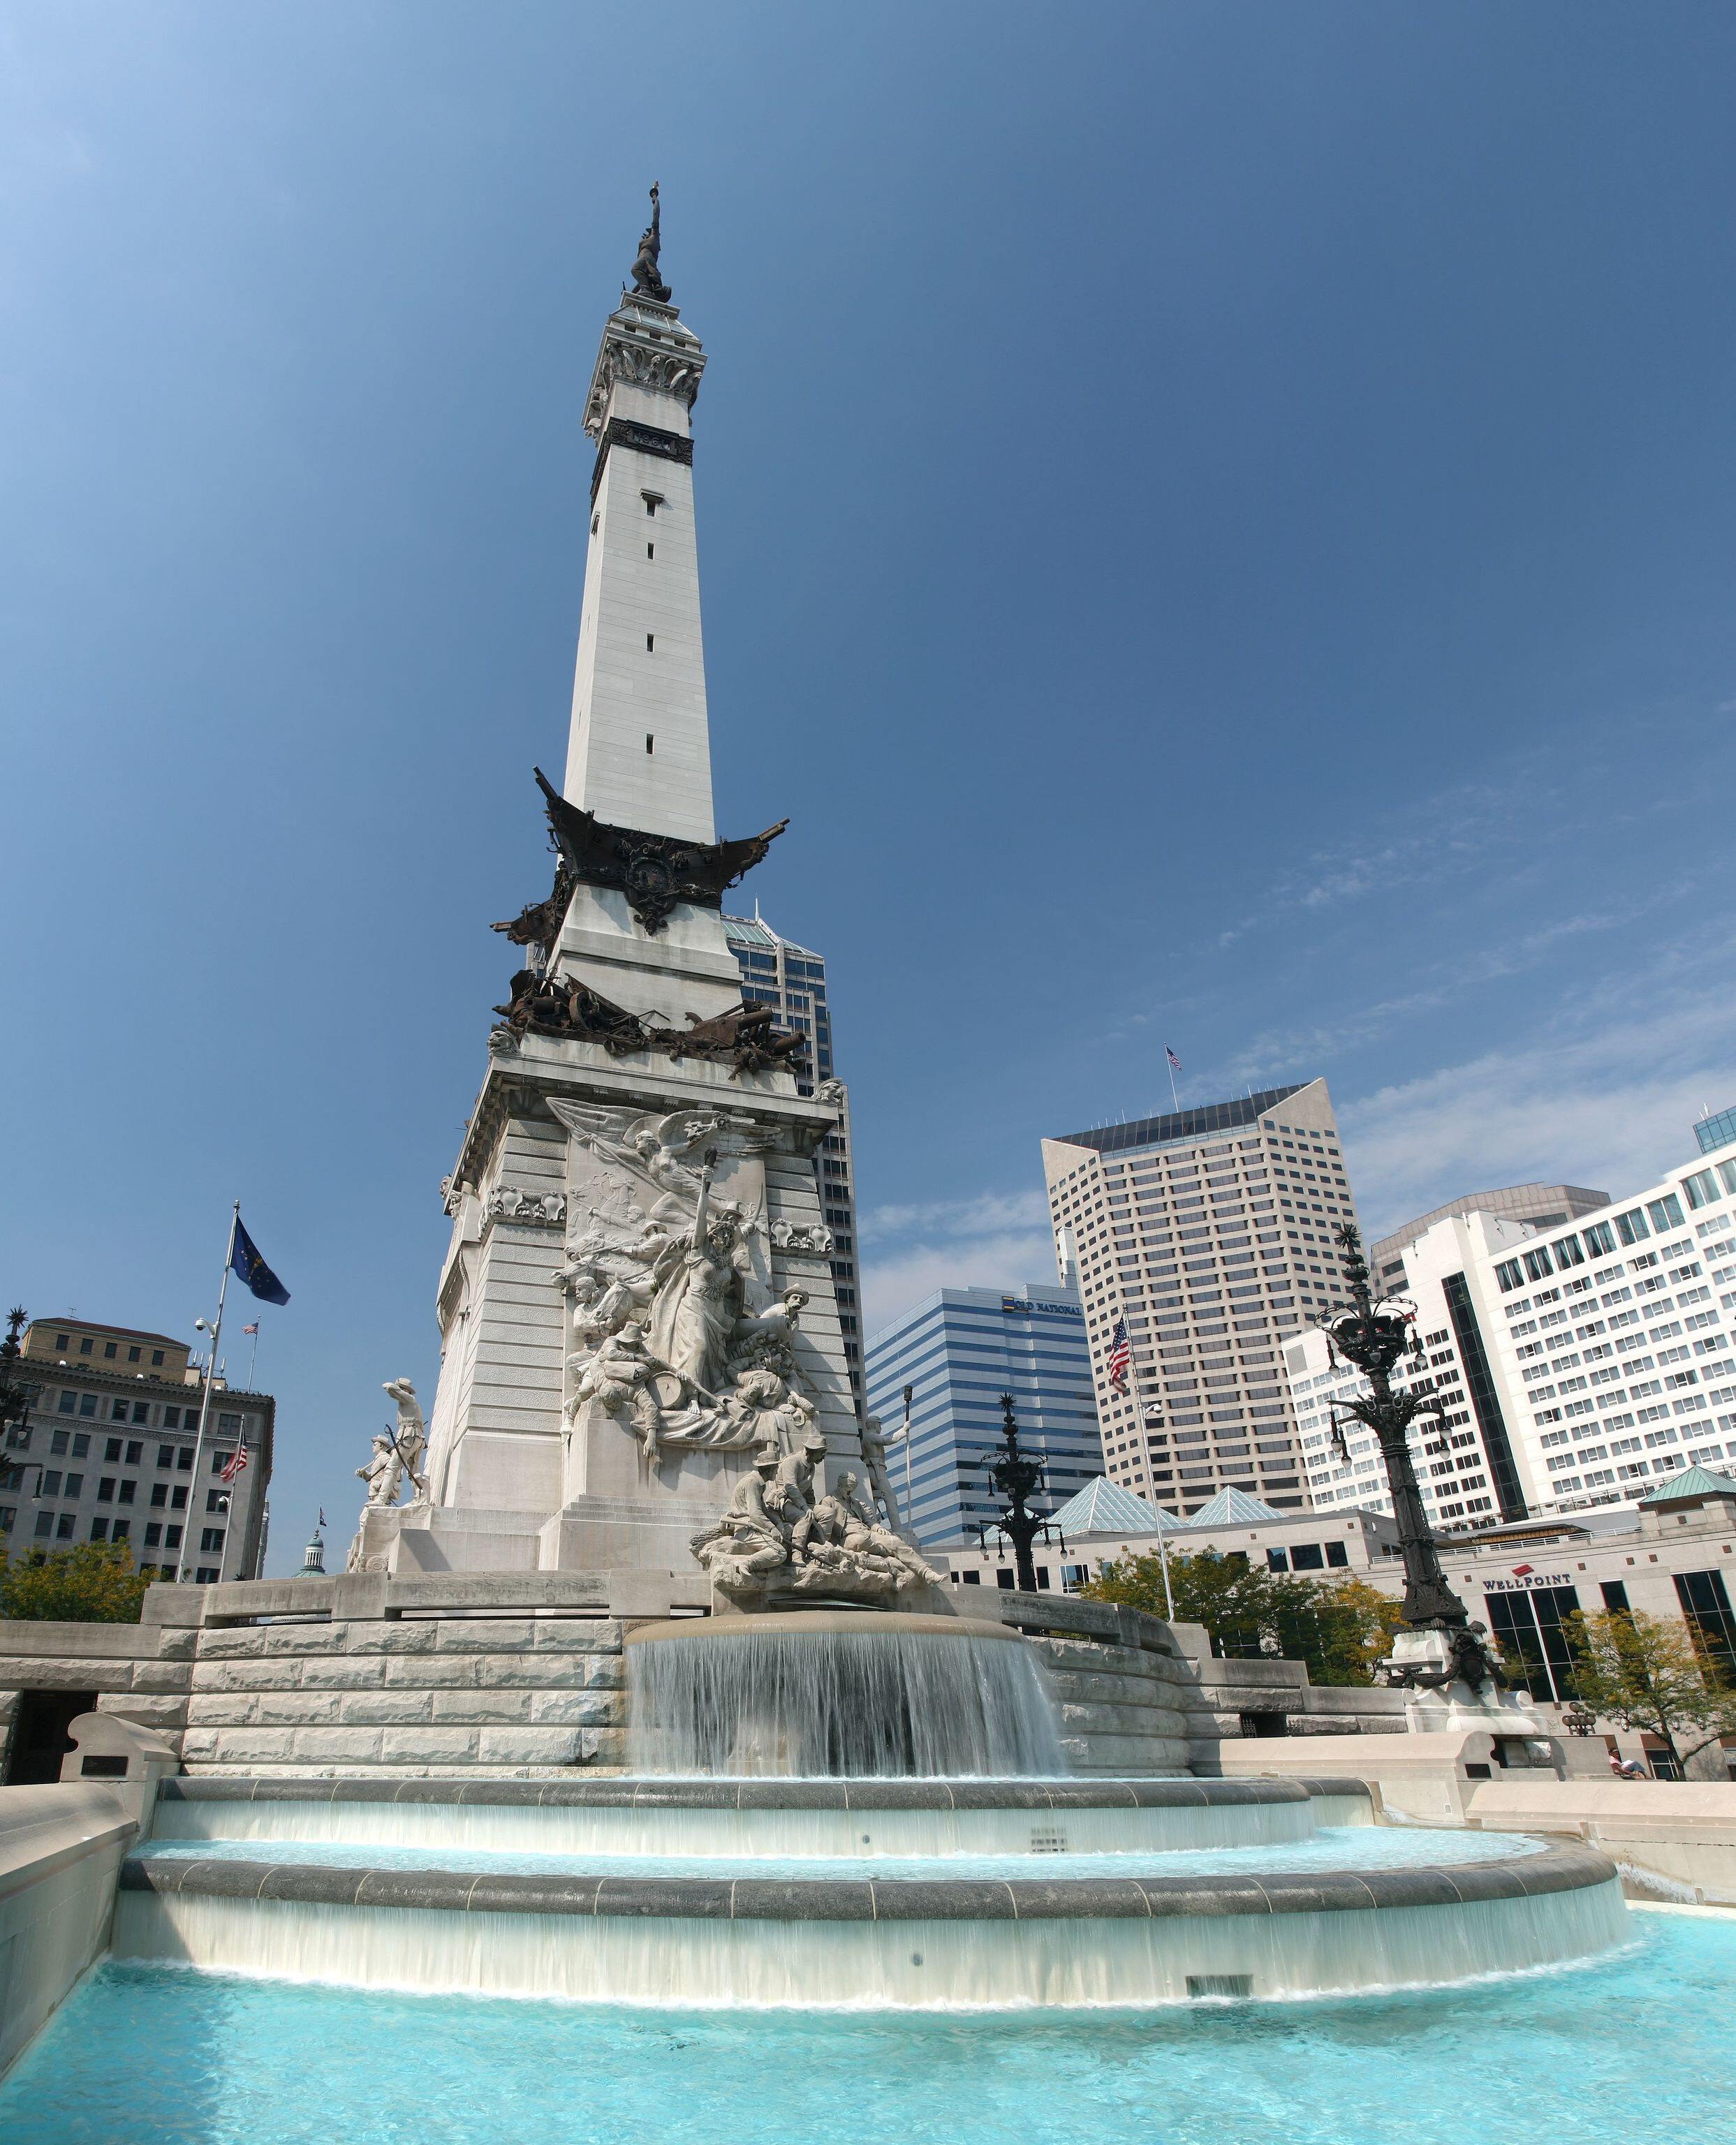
(523, 1085)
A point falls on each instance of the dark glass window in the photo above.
(1706, 1605)
(1528, 1629)
(1614, 1592)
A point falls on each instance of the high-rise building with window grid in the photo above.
(1210, 1231)
(777, 973)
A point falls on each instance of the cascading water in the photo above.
(833, 1702)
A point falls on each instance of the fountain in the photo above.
(646, 1700)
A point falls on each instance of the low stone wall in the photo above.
(524, 1695)
(140, 1671)
(61, 1848)
(519, 1674)
(1672, 1840)
(1129, 1699)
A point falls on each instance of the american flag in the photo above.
(233, 1466)
(1121, 1356)
(1172, 1058)
(250, 1329)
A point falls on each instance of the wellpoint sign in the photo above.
(1524, 1578)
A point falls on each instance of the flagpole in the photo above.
(253, 1359)
(210, 1372)
(1169, 1597)
(1175, 1099)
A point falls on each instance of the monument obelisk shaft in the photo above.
(637, 1302)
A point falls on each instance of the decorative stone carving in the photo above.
(675, 1334)
(831, 1093)
(544, 1209)
(780, 1539)
(395, 1453)
(874, 1459)
(813, 1236)
(653, 871)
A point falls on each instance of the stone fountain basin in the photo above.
(940, 1941)
(775, 1817)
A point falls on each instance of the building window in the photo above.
(1706, 1606)
(1528, 1628)
(1537, 1263)
(211, 1539)
(1600, 1240)
(1614, 1592)
(99, 1530)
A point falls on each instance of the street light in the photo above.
(1016, 1477)
(1372, 1333)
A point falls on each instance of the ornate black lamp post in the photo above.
(1373, 1333)
(1014, 1477)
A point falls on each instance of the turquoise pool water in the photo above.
(1335, 1847)
(1634, 2046)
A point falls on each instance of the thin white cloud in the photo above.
(986, 1215)
(1611, 1106)
(893, 1283)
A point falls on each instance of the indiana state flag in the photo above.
(253, 1269)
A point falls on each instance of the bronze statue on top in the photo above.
(647, 283)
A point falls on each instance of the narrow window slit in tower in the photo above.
(652, 501)
(650, 550)
(648, 740)
(650, 640)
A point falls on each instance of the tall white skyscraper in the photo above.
(1210, 1232)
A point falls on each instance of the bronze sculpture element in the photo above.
(746, 1038)
(647, 283)
(653, 871)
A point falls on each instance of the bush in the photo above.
(92, 1583)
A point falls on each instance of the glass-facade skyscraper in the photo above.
(959, 1350)
(776, 972)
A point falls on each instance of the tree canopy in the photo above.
(1340, 1628)
(91, 1582)
(1645, 1672)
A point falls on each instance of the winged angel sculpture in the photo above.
(675, 1333)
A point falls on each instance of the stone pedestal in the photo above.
(1455, 1708)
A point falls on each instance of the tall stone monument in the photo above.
(639, 1330)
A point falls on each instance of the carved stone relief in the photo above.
(544, 1209)
(677, 1334)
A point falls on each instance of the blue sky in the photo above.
(1216, 524)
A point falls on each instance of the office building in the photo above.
(1618, 1340)
(1543, 1206)
(1573, 1366)
(1467, 1459)
(959, 1350)
(1210, 1231)
(792, 979)
(107, 1451)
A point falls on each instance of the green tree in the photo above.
(1645, 1672)
(1339, 1629)
(93, 1583)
